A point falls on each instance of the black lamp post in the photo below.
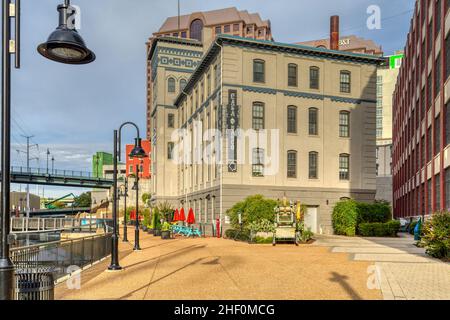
(125, 195)
(137, 152)
(65, 45)
(136, 228)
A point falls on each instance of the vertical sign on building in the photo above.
(232, 126)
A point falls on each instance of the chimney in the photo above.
(334, 33)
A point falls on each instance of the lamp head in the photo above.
(65, 45)
(138, 152)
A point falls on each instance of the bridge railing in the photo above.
(54, 172)
(26, 225)
(63, 257)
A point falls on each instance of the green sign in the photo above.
(396, 61)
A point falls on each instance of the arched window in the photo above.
(259, 67)
(183, 84)
(292, 75)
(292, 119)
(344, 124)
(313, 165)
(292, 164)
(258, 116)
(344, 166)
(313, 121)
(345, 82)
(314, 78)
(196, 30)
(171, 85)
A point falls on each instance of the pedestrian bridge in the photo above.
(62, 178)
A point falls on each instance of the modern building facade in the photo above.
(144, 164)
(421, 115)
(99, 160)
(386, 80)
(19, 202)
(320, 104)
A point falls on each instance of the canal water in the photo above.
(24, 240)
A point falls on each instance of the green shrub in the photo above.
(374, 212)
(306, 235)
(237, 234)
(436, 236)
(261, 240)
(378, 229)
(344, 217)
(348, 215)
(156, 220)
(263, 225)
(253, 209)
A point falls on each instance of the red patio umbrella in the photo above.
(182, 217)
(191, 217)
(176, 216)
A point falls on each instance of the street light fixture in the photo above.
(124, 194)
(65, 44)
(137, 152)
(59, 43)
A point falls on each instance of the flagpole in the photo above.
(179, 16)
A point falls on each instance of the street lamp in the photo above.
(137, 152)
(61, 47)
(124, 194)
(136, 229)
(48, 154)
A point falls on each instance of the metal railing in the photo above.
(54, 172)
(32, 225)
(60, 255)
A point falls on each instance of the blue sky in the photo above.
(73, 110)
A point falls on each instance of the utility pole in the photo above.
(53, 165)
(28, 168)
(48, 154)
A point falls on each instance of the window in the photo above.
(292, 164)
(171, 120)
(227, 28)
(430, 198)
(258, 116)
(447, 57)
(292, 75)
(344, 167)
(184, 34)
(429, 91)
(218, 29)
(430, 37)
(447, 188)
(196, 30)
(437, 191)
(344, 124)
(131, 169)
(292, 119)
(313, 121)
(183, 84)
(171, 85)
(437, 135)
(258, 162)
(175, 34)
(314, 78)
(429, 145)
(259, 71)
(437, 76)
(236, 27)
(438, 18)
(345, 82)
(447, 125)
(313, 156)
(170, 147)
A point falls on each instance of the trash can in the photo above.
(35, 284)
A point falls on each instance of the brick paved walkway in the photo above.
(405, 271)
(221, 269)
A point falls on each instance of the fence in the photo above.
(54, 172)
(60, 255)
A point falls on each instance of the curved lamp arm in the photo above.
(120, 135)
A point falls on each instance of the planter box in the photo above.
(165, 235)
(157, 233)
(144, 228)
(150, 231)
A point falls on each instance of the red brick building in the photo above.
(421, 115)
(144, 164)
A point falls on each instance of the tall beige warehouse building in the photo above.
(317, 105)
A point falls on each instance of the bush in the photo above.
(238, 235)
(378, 229)
(156, 220)
(374, 212)
(436, 236)
(348, 215)
(306, 235)
(253, 209)
(344, 218)
(263, 225)
(261, 240)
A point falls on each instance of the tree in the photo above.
(83, 200)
